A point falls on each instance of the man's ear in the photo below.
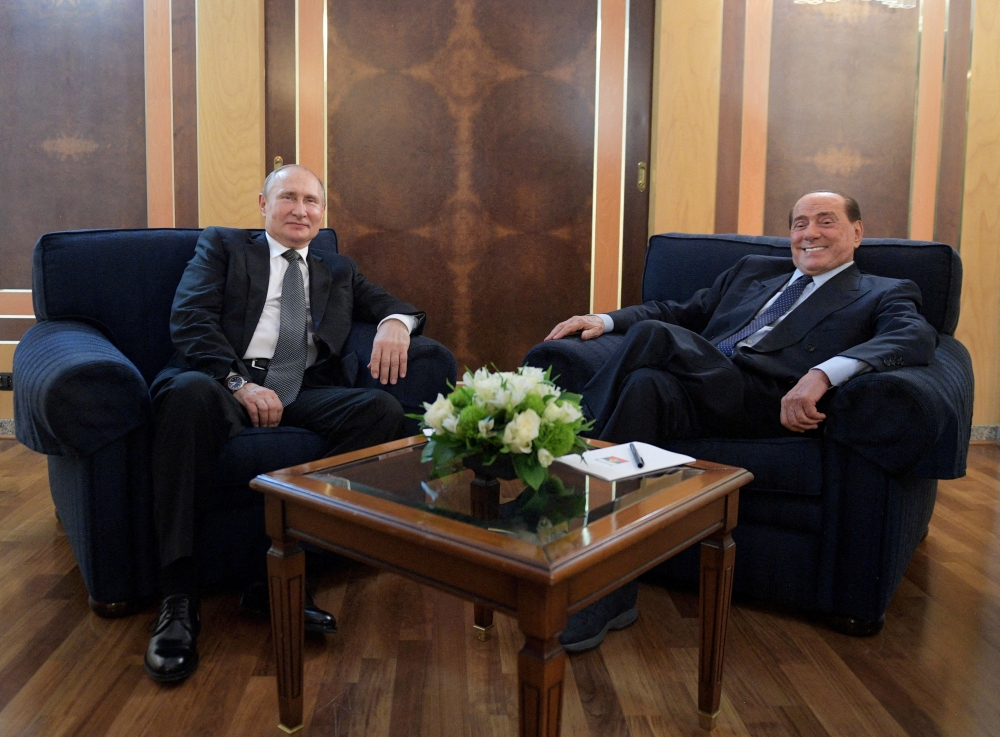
(859, 231)
(262, 204)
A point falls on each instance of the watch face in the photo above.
(235, 383)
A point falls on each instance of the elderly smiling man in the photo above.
(751, 356)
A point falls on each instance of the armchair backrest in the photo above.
(122, 282)
(679, 264)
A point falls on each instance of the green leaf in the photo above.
(442, 454)
(529, 469)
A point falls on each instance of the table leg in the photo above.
(485, 501)
(541, 664)
(718, 556)
(286, 572)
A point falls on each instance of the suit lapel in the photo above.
(835, 294)
(258, 257)
(320, 281)
(756, 296)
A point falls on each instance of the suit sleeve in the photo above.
(373, 303)
(901, 335)
(195, 320)
(693, 314)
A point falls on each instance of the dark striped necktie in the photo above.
(778, 308)
(284, 372)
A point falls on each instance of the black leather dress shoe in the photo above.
(586, 629)
(172, 654)
(256, 602)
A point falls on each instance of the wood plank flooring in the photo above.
(406, 661)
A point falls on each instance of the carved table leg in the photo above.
(541, 664)
(485, 497)
(286, 572)
(718, 556)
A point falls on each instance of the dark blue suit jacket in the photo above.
(221, 296)
(857, 315)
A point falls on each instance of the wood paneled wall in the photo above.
(231, 163)
(685, 116)
(979, 328)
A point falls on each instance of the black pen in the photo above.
(635, 454)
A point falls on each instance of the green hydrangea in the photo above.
(557, 439)
(461, 397)
(468, 420)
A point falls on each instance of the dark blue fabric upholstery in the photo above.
(102, 299)
(830, 522)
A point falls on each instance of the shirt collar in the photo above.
(277, 249)
(821, 279)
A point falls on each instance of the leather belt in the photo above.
(259, 363)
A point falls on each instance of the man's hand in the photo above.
(388, 362)
(261, 403)
(798, 407)
(591, 325)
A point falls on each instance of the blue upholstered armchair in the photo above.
(82, 373)
(832, 518)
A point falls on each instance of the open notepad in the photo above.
(616, 462)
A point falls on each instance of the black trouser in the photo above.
(670, 383)
(195, 416)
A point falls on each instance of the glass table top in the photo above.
(535, 517)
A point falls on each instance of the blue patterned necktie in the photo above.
(778, 308)
(284, 372)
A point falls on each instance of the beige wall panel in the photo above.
(311, 65)
(685, 116)
(979, 328)
(756, 83)
(230, 111)
(159, 115)
(927, 144)
(6, 363)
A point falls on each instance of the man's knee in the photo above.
(385, 411)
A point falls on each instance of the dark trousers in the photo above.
(670, 383)
(195, 416)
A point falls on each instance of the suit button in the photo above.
(810, 347)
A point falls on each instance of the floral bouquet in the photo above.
(520, 415)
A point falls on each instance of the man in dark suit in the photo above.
(259, 323)
(751, 356)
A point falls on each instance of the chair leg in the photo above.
(856, 627)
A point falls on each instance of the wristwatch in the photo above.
(236, 382)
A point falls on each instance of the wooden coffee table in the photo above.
(538, 561)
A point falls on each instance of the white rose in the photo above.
(485, 385)
(553, 413)
(486, 427)
(450, 423)
(570, 413)
(437, 412)
(545, 458)
(522, 430)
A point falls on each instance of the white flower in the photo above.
(545, 458)
(521, 431)
(436, 413)
(565, 414)
(450, 423)
(486, 427)
(485, 386)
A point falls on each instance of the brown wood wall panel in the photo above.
(727, 171)
(461, 162)
(639, 100)
(954, 105)
(841, 112)
(279, 80)
(72, 117)
(185, 76)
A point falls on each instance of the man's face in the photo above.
(822, 236)
(293, 208)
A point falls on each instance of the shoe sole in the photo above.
(620, 622)
(320, 630)
(179, 676)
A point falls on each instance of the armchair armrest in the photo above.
(429, 368)
(574, 362)
(74, 392)
(914, 420)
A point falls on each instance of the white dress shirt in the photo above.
(265, 336)
(837, 369)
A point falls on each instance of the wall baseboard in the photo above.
(985, 432)
(6, 427)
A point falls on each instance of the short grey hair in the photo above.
(269, 181)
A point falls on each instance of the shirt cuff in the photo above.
(408, 320)
(609, 324)
(841, 368)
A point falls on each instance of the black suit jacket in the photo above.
(221, 296)
(871, 318)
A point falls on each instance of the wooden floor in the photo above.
(406, 661)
